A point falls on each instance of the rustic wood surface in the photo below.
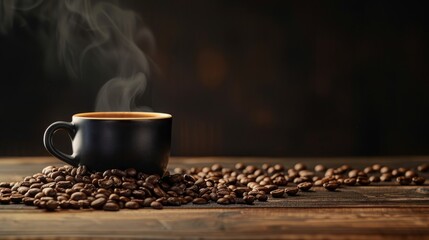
(379, 211)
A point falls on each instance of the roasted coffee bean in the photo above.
(199, 201)
(16, 198)
(249, 199)
(64, 184)
(305, 186)
(74, 204)
(291, 191)
(98, 203)
(4, 200)
(64, 204)
(421, 168)
(374, 179)
(278, 193)
(78, 196)
(49, 192)
(376, 167)
(419, 180)
(156, 205)
(28, 201)
(223, 201)
(319, 168)
(174, 201)
(132, 205)
(331, 185)
(402, 180)
(300, 166)
(111, 206)
(350, 181)
(364, 181)
(261, 197)
(385, 169)
(84, 203)
(148, 201)
(386, 177)
(51, 205)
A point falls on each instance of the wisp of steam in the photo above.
(95, 39)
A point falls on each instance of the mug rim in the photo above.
(122, 115)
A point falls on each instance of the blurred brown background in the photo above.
(266, 78)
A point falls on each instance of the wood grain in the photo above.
(374, 212)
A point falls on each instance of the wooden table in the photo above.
(377, 211)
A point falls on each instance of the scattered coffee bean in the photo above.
(374, 179)
(51, 205)
(132, 205)
(319, 168)
(421, 168)
(305, 186)
(419, 180)
(98, 203)
(331, 185)
(156, 205)
(4, 200)
(350, 181)
(364, 181)
(402, 180)
(291, 191)
(111, 206)
(278, 193)
(200, 201)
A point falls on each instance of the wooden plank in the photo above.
(373, 212)
(250, 223)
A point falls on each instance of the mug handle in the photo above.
(49, 144)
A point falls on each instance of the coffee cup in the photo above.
(115, 140)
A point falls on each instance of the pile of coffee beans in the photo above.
(70, 187)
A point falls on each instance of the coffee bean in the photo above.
(385, 169)
(262, 197)
(421, 168)
(223, 201)
(350, 181)
(249, 199)
(374, 179)
(4, 200)
(156, 205)
(402, 180)
(300, 166)
(64, 184)
(16, 198)
(331, 185)
(364, 181)
(305, 186)
(410, 174)
(386, 177)
(132, 205)
(51, 205)
(200, 201)
(98, 203)
(319, 168)
(278, 193)
(376, 167)
(78, 196)
(28, 201)
(50, 192)
(111, 206)
(419, 180)
(291, 191)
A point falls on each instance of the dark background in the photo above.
(266, 78)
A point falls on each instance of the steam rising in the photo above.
(97, 41)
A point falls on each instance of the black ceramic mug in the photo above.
(121, 140)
